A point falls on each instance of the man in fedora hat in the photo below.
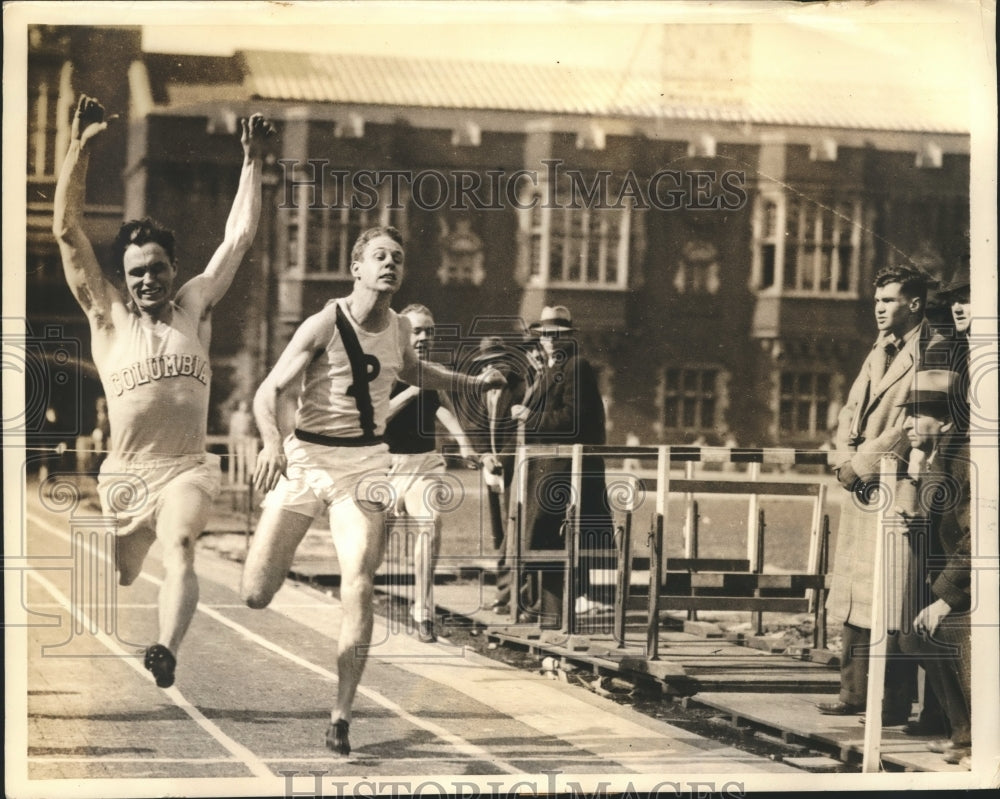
(949, 347)
(933, 499)
(869, 426)
(957, 294)
(488, 418)
(568, 409)
(948, 350)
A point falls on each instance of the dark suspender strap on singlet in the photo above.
(359, 374)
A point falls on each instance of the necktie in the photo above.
(891, 350)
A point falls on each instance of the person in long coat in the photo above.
(567, 409)
(488, 421)
(934, 501)
(869, 426)
(948, 350)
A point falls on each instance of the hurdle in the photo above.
(564, 559)
(690, 583)
(696, 583)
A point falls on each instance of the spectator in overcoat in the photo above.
(488, 422)
(869, 426)
(567, 409)
(934, 501)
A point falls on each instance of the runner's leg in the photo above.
(359, 538)
(427, 525)
(272, 549)
(120, 497)
(185, 510)
(130, 553)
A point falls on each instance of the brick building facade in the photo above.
(715, 240)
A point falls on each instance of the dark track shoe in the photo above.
(840, 709)
(162, 663)
(425, 632)
(337, 739)
(921, 727)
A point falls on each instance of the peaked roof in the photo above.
(556, 89)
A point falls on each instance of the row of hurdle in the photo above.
(690, 583)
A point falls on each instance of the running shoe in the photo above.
(337, 738)
(425, 632)
(162, 663)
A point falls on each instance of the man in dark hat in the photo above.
(934, 501)
(487, 418)
(957, 296)
(949, 348)
(568, 410)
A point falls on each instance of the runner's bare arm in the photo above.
(92, 289)
(451, 424)
(397, 403)
(311, 337)
(427, 374)
(201, 293)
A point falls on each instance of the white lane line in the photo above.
(238, 751)
(214, 761)
(191, 761)
(468, 748)
(131, 605)
(242, 606)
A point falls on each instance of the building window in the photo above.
(325, 235)
(806, 246)
(578, 244)
(691, 399)
(697, 269)
(49, 106)
(804, 403)
(461, 254)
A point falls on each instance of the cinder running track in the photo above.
(254, 688)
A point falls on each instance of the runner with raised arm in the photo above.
(150, 347)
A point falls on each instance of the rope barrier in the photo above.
(678, 454)
(471, 463)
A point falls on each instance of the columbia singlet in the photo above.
(328, 403)
(157, 381)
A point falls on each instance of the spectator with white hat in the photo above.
(567, 408)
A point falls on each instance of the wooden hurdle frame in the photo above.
(694, 583)
(808, 590)
(735, 583)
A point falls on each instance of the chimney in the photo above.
(705, 63)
